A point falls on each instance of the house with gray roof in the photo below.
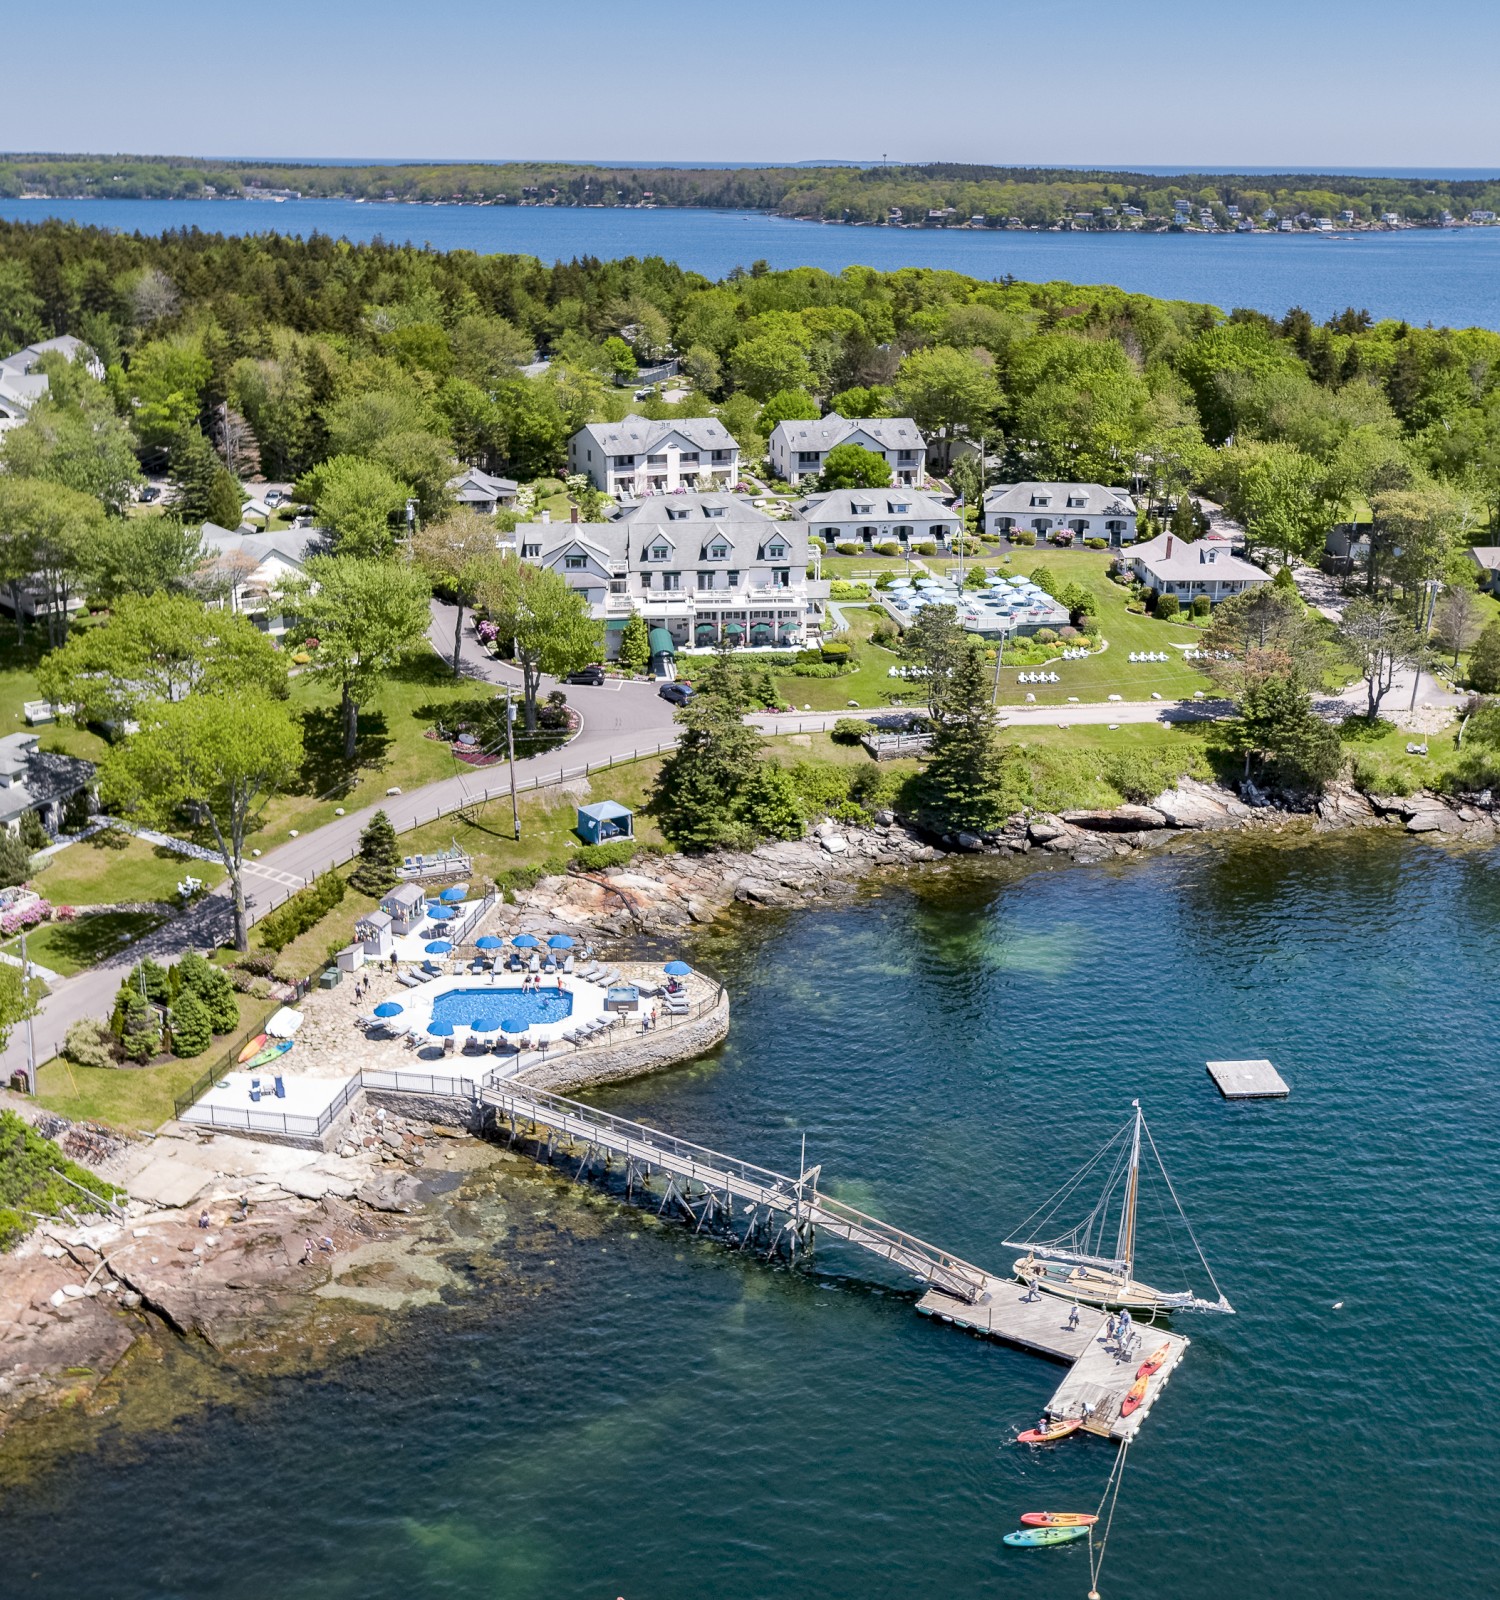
(639, 457)
(33, 779)
(21, 385)
(1170, 565)
(1084, 510)
(697, 567)
(871, 517)
(482, 492)
(1487, 558)
(798, 449)
(250, 569)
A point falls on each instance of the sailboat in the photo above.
(1074, 1265)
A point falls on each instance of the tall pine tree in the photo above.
(379, 857)
(963, 788)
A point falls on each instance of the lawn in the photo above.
(112, 866)
(69, 947)
(18, 664)
(870, 684)
(141, 1097)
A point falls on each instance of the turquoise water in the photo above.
(1445, 277)
(496, 1008)
(610, 1407)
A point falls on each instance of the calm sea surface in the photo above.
(1447, 278)
(613, 1408)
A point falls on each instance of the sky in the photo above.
(1324, 83)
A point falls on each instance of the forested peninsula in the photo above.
(933, 194)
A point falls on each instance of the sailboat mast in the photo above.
(1125, 1249)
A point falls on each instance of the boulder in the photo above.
(1123, 819)
(1044, 832)
(1194, 805)
(969, 841)
(834, 843)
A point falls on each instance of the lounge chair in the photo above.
(535, 964)
(408, 980)
(449, 1046)
(649, 989)
(568, 965)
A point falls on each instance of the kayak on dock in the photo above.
(1153, 1362)
(1040, 1536)
(1058, 1519)
(255, 1046)
(1134, 1398)
(1046, 1432)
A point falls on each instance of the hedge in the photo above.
(304, 910)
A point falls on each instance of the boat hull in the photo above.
(1043, 1536)
(271, 1053)
(1087, 1286)
(1058, 1519)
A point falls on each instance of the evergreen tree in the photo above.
(1484, 664)
(212, 987)
(700, 791)
(15, 860)
(963, 787)
(768, 805)
(379, 857)
(1184, 521)
(635, 645)
(33, 834)
(192, 1032)
(206, 490)
(140, 1027)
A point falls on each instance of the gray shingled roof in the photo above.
(1015, 500)
(639, 436)
(891, 433)
(838, 505)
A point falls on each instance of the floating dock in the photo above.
(1248, 1080)
(761, 1209)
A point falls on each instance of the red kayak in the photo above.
(1052, 1430)
(1058, 1519)
(1153, 1362)
(1134, 1398)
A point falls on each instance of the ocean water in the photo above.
(1449, 278)
(608, 1406)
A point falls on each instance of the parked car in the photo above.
(150, 494)
(592, 675)
(274, 497)
(678, 693)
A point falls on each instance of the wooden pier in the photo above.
(757, 1208)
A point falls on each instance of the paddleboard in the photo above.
(270, 1053)
(1058, 1519)
(1153, 1362)
(257, 1044)
(1053, 1430)
(1036, 1536)
(1134, 1398)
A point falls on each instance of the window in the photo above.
(781, 578)
(903, 534)
(713, 511)
(908, 456)
(721, 455)
(705, 580)
(676, 514)
(671, 580)
(718, 552)
(656, 461)
(617, 585)
(575, 563)
(530, 551)
(937, 532)
(645, 580)
(688, 458)
(898, 508)
(861, 508)
(808, 458)
(776, 551)
(732, 578)
(624, 461)
(659, 552)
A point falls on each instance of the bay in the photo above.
(1446, 277)
(626, 1410)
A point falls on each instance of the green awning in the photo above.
(661, 642)
(734, 627)
(615, 624)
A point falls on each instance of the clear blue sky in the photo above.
(1332, 83)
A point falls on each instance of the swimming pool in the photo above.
(495, 1007)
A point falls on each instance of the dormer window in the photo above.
(898, 508)
(776, 551)
(658, 552)
(1076, 502)
(861, 508)
(718, 552)
(1041, 499)
(575, 563)
(676, 514)
(713, 511)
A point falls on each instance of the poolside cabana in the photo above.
(605, 820)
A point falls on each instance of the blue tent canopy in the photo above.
(388, 1008)
(437, 947)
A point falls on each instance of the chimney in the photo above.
(573, 514)
(1169, 543)
(546, 515)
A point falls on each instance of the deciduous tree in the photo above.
(355, 500)
(851, 466)
(546, 622)
(1378, 638)
(454, 554)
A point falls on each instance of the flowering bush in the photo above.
(66, 913)
(487, 633)
(28, 916)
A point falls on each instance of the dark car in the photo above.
(678, 693)
(149, 494)
(592, 675)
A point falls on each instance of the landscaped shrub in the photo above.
(1166, 607)
(885, 634)
(924, 547)
(612, 853)
(554, 714)
(1202, 605)
(1023, 536)
(888, 547)
(837, 651)
(844, 589)
(848, 548)
(30, 915)
(15, 860)
(139, 1027)
(304, 910)
(87, 1044)
(1045, 636)
(212, 986)
(849, 730)
(1069, 635)
(192, 1032)
(379, 857)
(33, 835)
(1096, 544)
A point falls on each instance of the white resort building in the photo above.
(1170, 565)
(697, 567)
(798, 449)
(871, 517)
(1084, 510)
(637, 457)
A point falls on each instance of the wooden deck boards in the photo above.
(1248, 1080)
(1005, 1312)
(1102, 1379)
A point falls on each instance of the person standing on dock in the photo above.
(1073, 1317)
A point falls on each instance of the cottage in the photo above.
(605, 820)
(481, 492)
(373, 934)
(870, 517)
(640, 457)
(799, 449)
(1084, 510)
(250, 569)
(21, 385)
(33, 779)
(1171, 565)
(406, 906)
(1487, 558)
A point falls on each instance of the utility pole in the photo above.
(999, 657)
(510, 748)
(30, 1030)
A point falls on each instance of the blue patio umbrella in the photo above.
(437, 947)
(489, 941)
(440, 1030)
(479, 1025)
(440, 913)
(677, 969)
(456, 893)
(525, 941)
(559, 941)
(388, 1008)
(514, 1025)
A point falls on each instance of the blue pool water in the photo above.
(494, 1007)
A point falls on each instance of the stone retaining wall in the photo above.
(633, 1055)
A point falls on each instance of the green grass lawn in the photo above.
(18, 664)
(69, 947)
(141, 1097)
(112, 867)
(870, 684)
